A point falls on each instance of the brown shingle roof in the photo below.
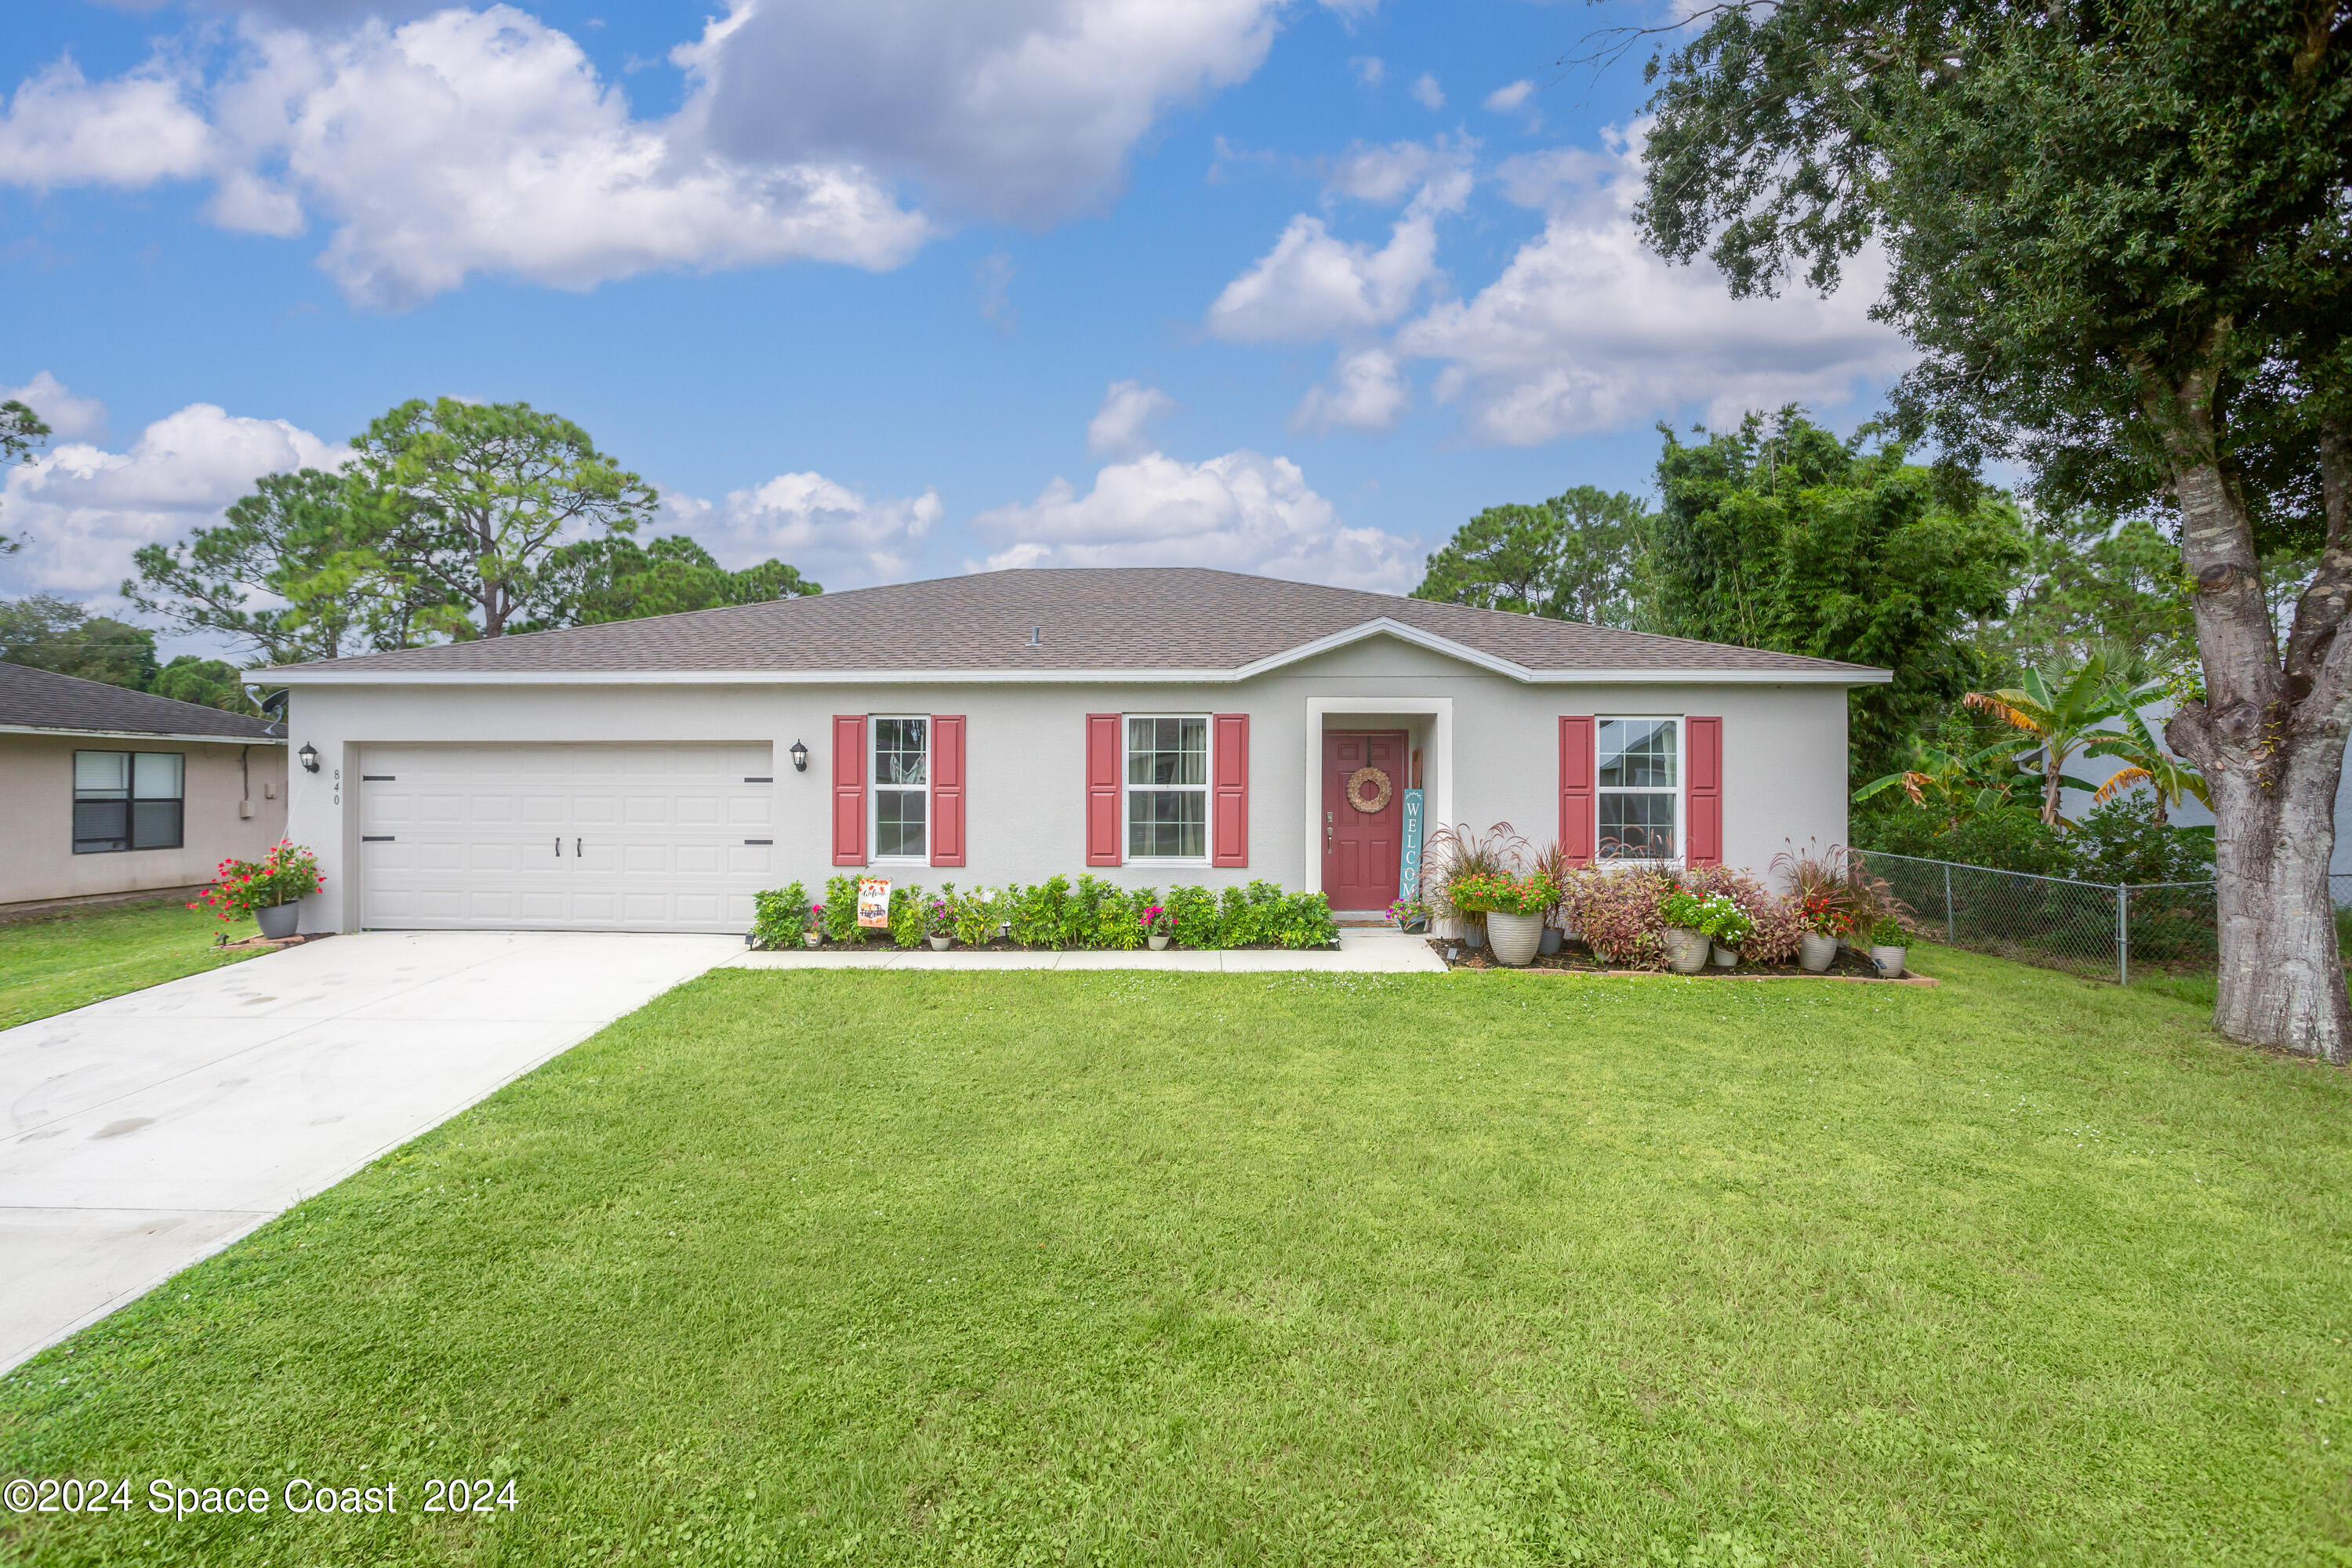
(43, 699)
(1089, 618)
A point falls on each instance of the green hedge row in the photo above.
(1058, 913)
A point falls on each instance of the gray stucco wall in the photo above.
(37, 786)
(1491, 747)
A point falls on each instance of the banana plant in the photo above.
(2142, 752)
(2064, 719)
(1961, 784)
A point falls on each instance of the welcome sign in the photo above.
(1408, 862)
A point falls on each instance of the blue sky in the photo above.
(893, 289)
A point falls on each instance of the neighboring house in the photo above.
(1156, 726)
(110, 791)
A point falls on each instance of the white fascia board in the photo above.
(142, 735)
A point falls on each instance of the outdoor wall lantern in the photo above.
(800, 758)
(310, 756)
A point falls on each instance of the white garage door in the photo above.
(550, 838)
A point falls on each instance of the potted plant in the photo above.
(270, 890)
(1727, 928)
(1513, 906)
(1687, 940)
(1552, 861)
(938, 924)
(1827, 923)
(1890, 945)
(814, 935)
(1410, 914)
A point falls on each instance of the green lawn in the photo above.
(1125, 1267)
(68, 960)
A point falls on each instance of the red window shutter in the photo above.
(1703, 801)
(1576, 821)
(946, 789)
(849, 789)
(1229, 804)
(1103, 759)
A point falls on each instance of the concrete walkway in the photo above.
(148, 1131)
(1361, 951)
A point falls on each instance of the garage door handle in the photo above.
(575, 849)
(375, 837)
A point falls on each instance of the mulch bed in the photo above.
(1575, 958)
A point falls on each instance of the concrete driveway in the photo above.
(145, 1132)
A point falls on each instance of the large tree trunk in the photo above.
(2269, 736)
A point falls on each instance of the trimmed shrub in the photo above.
(1616, 913)
(779, 916)
(1777, 923)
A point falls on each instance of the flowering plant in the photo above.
(1408, 913)
(288, 872)
(939, 920)
(1503, 893)
(1825, 913)
(1158, 919)
(1714, 916)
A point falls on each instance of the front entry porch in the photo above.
(1377, 783)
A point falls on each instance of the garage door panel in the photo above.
(554, 837)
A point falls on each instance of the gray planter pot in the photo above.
(278, 922)
(1157, 943)
(1513, 937)
(1816, 951)
(941, 944)
(1889, 960)
(1686, 950)
(1726, 957)
(813, 938)
(1552, 937)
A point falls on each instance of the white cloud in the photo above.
(61, 130)
(1427, 93)
(1313, 285)
(69, 418)
(1370, 70)
(831, 532)
(1382, 175)
(84, 510)
(1588, 329)
(1023, 110)
(1119, 426)
(1505, 100)
(1241, 511)
(1365, 391)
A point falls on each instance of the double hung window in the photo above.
(1168, 787)
(1640, 788)
(902, 788)
(128, 800)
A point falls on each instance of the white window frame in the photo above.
(1676, 790)
(1208, 788)
(875, 786)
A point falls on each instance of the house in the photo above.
(1156, 726)
(111, 791)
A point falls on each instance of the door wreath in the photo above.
(1379, 803)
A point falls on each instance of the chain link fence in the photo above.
(2106, 930)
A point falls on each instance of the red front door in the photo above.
(1363, 836)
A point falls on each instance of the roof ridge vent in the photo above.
(1036, 638)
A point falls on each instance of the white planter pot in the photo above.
(813, 938)
(1157, 943)
(1513, 937)
(1816, 951)
(1889, 960)
(1726, 957)
(1686, 950)
(941, 944)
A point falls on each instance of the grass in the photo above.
(1138, 1269)
(52, 965)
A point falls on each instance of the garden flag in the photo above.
(874, 902)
